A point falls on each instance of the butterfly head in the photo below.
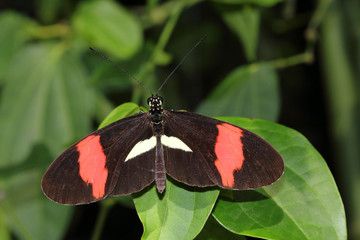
(155, 103)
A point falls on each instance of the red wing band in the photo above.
(92, 162)
(229, 152)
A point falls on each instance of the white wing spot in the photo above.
(174, 142)
(148, 144)
(142, 147)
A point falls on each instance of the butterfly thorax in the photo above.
(156, 110)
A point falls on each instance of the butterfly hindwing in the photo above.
(229, 156)
(89, 170)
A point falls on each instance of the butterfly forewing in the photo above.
(226, 155)
(137, 171)
(89, 170)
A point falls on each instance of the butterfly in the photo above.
(132, 153)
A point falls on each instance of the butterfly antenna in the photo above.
(182, 60)
(119, 67)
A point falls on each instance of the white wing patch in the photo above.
(148, 144)
(174, 142)
(142, 147)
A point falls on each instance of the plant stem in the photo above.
(311, 33)
(311, 37)
(51, 31)
(292, 60)
(100, 221)
(163, 40)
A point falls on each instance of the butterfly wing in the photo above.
(92, 168)
(222, 154)
(198, 151)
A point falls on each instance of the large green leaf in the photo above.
(4, 230)
(29, 214)
(47, 101)
(109, 26)
(244, 21)
(214, 231)
(303, 204)
(179, 213)
(250, 91)
(12, 36)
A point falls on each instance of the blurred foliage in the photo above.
(53, 90)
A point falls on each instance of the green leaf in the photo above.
(48, 10)
(179, 213)
(28, 212)
(244, 21)
(264, 3)
(122, 111)
(163, 58)
(107, 25)
(214, 231)
(303, 204)
(251, 91)
(47, 101)
(4, 230)
(39, 159)
(12, 36)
